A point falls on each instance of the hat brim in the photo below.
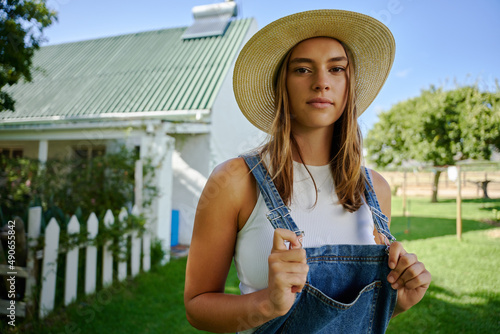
(370, 43)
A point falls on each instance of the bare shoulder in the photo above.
(379, 183)
(230, 176)
(232, 186)
(222, 200)
(234, 169)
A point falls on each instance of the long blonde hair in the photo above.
(345, 155)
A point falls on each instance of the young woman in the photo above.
(305, 223)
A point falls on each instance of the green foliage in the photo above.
(18, 178)
(438, 128)
(479, 122)
(66, 187)
(21, 32)
(117, 233)
(104, 182)
(157, 253)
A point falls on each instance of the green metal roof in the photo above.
(144, 72)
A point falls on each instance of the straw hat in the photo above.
(369, 41)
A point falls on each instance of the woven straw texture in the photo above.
(370, 42)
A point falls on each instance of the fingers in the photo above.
(395, 251)
(280, 236)
(288, 266)
(287, 270)
(289, 274)
(277, 266)
(407, 271)
(422, 280)
(285, 279)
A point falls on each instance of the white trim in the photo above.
(82, 125)
(101, 130)
(84, 134)
(173, 115)
(43, 150)
(188, 128)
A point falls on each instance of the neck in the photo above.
(315, 146)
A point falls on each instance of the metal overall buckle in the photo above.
(380, 215)
(281, 212)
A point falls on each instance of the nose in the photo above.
(321, 82)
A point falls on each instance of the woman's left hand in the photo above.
(408, 276)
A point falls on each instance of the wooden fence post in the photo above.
(49, 268)
(138, 184)
(107, 255)
(71, 275)
(91, 255)
(459, 205)
(135, 249)
(122, 263)
(404, 193)
(34, 227)
(146, 251)
(135, 254)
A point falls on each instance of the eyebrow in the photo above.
(308, 60)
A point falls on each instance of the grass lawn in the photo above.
(464, 296)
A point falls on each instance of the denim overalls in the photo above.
(346, 290)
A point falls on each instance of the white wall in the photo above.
(191, 169)
(232, 133)
(188, 185)
(195, 150)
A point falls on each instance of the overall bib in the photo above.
(346, 290)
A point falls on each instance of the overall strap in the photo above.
(379, 219)
(279, 214)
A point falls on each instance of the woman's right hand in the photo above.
(287, 271)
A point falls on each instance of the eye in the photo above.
(337, 69)
(301, 70)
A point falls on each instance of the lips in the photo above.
(320, 102)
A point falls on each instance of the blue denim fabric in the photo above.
(346, 289)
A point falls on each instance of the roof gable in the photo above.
(143, 72)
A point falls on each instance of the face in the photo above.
(317, 83)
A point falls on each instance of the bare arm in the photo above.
(225, 205)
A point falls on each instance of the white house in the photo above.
(167, 93)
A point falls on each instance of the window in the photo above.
(11, 152)
(88, 152)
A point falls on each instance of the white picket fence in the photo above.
(52, 251)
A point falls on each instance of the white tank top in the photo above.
(327, 223)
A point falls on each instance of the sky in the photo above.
(438, 42)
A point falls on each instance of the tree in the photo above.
(21, 33)
(437, 128)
